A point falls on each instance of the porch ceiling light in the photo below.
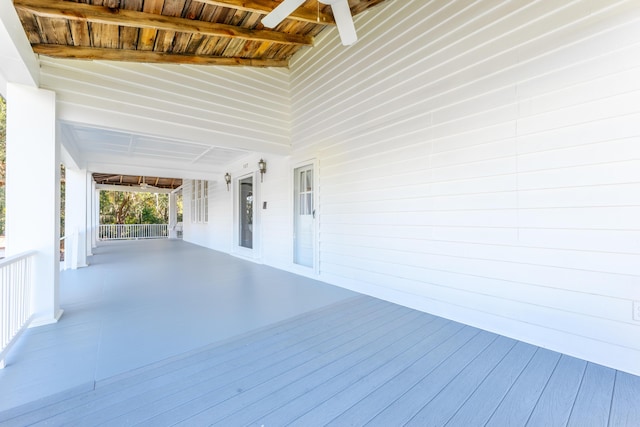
(227, 179)
(262, 165)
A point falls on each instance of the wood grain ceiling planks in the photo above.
(218, 32)
(137, 180)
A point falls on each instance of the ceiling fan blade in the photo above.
(277, 15)
(344, 22)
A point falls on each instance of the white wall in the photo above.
(481, 161)
(273, 232)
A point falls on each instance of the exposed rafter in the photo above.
(104, 54)
(207, 32)
(135, 181)
(128, 18)
(302, 14)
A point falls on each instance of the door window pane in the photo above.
(245, 211)
(303, 250)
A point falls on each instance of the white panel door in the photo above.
(304, 216)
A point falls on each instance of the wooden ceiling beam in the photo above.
(365, 5)
(129, 18)
(103, 54)
(303, 14)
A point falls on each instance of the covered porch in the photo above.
(475, 161)
(162, 332)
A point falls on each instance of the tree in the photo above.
(63, 190)
(119, 207)
(115, 206)
(3, 137)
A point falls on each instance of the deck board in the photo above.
(141, 302)
(625, 405)
(354, 361)
(293, 383)
(132, 393)
(593, 402)
(388, 392)
(409, 403)
(323, 403)
(274, 376)
(179, 400)
(557, 400)
(126, 386)
(479, 407)
(222, 368)
(521, 399)
(450, 398)
(326, 380)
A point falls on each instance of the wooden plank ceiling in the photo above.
(144, 182)
(216, 32)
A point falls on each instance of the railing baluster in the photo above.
(16, 283)
(133, 231)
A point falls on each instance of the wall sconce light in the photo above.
(262, 165)
(227, 179)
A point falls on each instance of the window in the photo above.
(199, 201)
(304, 216)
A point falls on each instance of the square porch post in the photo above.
(33, 192)
(173, 216)
(95, 216)
(89, 202)
(76, 217)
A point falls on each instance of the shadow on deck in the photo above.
(216, 340)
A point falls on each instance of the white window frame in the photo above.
(199, 201)
(297, 268)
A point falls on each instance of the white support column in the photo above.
(89, 200)
(33, 192)
(96, 214)
(173, 216)
(76, 218)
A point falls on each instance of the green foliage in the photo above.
(63, 189)
(3, 136)
(3, 210)
(118, 207)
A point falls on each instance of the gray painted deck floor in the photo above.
(345, 360)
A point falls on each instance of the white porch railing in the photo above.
(132, 231)
(16, 309)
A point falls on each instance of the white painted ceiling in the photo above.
(113, 151)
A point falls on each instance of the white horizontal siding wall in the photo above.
(218, 233)
(272, 232)
(238, 107)
(481, 161)
(276, 219)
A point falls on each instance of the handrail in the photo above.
(16, 288)
(17, 257)
(132, 231)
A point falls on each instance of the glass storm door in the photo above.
(304, 215)
(245, 211)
